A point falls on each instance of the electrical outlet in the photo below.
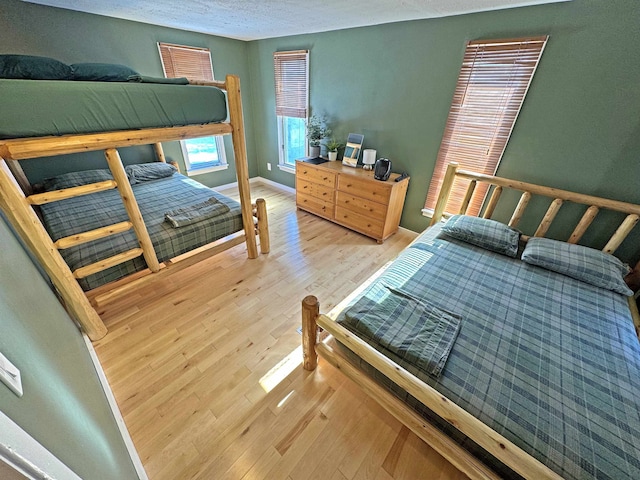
(269, 166)
(10, 375)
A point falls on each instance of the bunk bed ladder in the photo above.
(121, 182)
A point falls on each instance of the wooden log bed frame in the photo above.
(17, 200)
(321, 331)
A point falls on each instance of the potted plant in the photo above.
(332, 148)
(316, 131)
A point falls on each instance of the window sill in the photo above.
(199, 171)
(287, 168)
(427, 212)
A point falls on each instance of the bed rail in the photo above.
(39, 147)
(594, 204)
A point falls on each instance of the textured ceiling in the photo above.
(257, 19)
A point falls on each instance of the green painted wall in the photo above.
(63, 406)
(78, 37)
(578, 128)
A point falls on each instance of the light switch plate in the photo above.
(10, 375)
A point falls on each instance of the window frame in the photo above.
(507, 67)
(207, 74)
(291, 74)
(283, 164)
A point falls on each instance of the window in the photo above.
(292, 105)
(206, 154)
(492, 84)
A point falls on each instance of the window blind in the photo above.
(183, 61)
(292, 83)
(493, 81)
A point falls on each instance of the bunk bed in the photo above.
(57, 117)
(512, 356)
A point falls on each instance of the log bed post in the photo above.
(445, 190)
(28, 225)
(310, 312)
(159, 151)
(242, 168)
(132, 208)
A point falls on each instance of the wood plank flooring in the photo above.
(206, 368)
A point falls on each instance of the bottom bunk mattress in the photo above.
(155, 198)
(549, 362)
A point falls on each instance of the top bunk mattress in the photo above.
(550, 362)
(35, 108)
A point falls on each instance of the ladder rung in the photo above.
(54, 196)
(85, 237)
(87, 270)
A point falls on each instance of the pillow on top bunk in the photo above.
(76, 179)
(169, 81)
(31, 67)
(586, 264)
(102, 72)
(489, 234)
(144, 172)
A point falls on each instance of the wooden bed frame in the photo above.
(17, 199)
(320, 333)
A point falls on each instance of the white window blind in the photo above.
(206, 154)
(292, 83)
(183, 61)
(491, 88)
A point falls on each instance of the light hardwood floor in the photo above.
(205, 365)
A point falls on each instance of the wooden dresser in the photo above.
(351, 197)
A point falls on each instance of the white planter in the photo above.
(333, 156)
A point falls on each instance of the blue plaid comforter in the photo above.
(154, 198)
(550, 362)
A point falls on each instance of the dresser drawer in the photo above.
(315, 205)
(316, 190)
(363, 206)
(366, 188)
(361, 223)
(315, 175)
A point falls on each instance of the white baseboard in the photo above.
(407, 230)
(263, 180)
(133, 453)
(266, 181)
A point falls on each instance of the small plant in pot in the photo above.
(316, 131)
(332, 148)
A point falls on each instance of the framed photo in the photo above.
(352, 149)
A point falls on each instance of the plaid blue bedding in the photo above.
(404, 325)
(154, 198)
(550, 362)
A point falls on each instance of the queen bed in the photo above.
(117, 222)
(513, 356)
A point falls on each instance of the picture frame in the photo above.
(352, 149)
